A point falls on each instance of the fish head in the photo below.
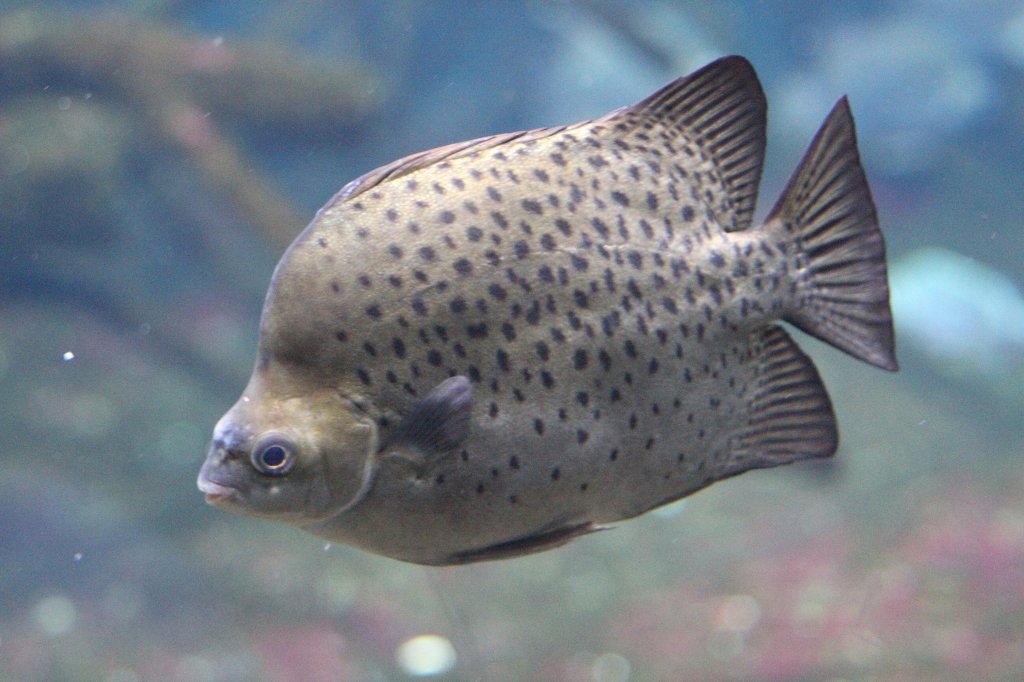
(299, 455)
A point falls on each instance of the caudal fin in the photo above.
(827, 210)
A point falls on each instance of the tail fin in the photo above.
(827, 209)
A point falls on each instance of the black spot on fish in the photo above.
(717, 259)
(427, 254)
(635, 259)
(335, 287)
(474, 233)
(502, 358)
(508, 330)
(341, 336)
(601, 227)
(604, 359)
(497, 292)
(580, 297)
(557, 159)
(493, 193)
(521, 248)
(583, 398)
(395, 281)
(620, 198)
(533, 313)
(688, 213)
(373, 311)
(477, 331)
(538, 426)
(457, 305)
(582, 436)
(364, 280)
(579, 263)
(369, 349)
(363, 376)
(547, 379)
(547, 242)
(542, 351)
(398, 347)
(463, 266)
(531, 206)
(579, 359)
(418, 306)
(513, 462)
(447, 217)
(563, 226)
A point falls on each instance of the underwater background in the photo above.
(157, 156)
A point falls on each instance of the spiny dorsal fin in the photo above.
(722, 109)
(420, 160)
(790, 416)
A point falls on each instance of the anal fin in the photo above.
(528, 544)
(790, 415)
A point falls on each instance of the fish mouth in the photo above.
(215, 493)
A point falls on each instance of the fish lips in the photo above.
(216, 493)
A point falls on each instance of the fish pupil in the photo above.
(274, 457)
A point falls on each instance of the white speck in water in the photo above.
(426, 655)
(68, 356)
(327, 547)
(87, 95)
(218, 41)
(610, 668)
(64, 103)
(54, 615)
(145, 328)
(77, 556)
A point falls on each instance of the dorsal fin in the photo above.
(722, 109)
(420, 160)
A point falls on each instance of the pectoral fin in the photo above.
(437, 426)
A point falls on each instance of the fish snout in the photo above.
(213, 480)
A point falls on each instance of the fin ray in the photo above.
(436, 426)
(721, 108)
(828, 210)
(790, 415)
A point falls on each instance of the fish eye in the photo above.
(273, 456)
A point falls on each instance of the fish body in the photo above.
(491, 348)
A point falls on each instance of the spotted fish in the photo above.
(490, 348)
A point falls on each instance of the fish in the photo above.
(494, 347)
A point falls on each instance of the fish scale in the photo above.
(490, 348)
